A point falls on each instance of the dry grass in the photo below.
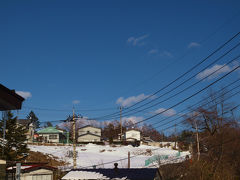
(45, 158)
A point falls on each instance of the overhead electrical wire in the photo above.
(181, 76)
(174, 88)
(189, 97)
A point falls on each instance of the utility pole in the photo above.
(198, 149)
(175, 134)
(74, 142)
(128, 159)
(121, 122)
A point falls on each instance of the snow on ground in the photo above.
(91, 154)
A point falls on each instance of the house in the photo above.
(115, 173)
(52, 135)
(132, 136)
(30, 128)
(33, 172)
(89, 134)
(9, 100)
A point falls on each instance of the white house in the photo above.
(89, 134)
(132, 135)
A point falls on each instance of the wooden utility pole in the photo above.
(128, 159)
(121, 122)
(198, 149)
(175, 134)
(74, 143)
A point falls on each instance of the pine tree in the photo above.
(15, 148)
(34, 119)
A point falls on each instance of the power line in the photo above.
(174, 88)
(181, 76)
(184, 54)
(187, 113)
(185, 89)
(189, 97)
(66, 110)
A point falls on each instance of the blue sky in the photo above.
(94, 52)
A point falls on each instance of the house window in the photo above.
(52, 136)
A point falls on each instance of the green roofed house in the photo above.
(52, 135)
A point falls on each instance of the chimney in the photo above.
(116, 167)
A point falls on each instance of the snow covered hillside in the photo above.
(102, 156)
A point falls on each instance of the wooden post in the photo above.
(128, 159)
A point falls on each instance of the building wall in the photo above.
(40, 174)
(133, 134)
(89, 138)
(46, 138)
(90, 129)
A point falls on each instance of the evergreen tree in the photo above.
(34, 119)
(15, 148)
(49, 124)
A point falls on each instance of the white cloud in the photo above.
(75, 101)
(207, 72)
(130, 100)
(137, 40)
(166, 54)
(168, 113)
(193, 44)
(153, 51)
(24, 94)
(133, 119)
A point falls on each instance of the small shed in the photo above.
(33, 172)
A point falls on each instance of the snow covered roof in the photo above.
(132, 130)
(75, 175)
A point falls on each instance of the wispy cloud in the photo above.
(153, 51)
(130, 100)
(24, 94)
(166, 54)
(168, 113)
(75, 101)
(193, 44)
(137, 40)
(207, 72)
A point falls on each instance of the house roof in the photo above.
(49, 130)
(88, 126)
(9, 100)
(29, 168)
(89, 133)
(132, 130)
(132, 174)
(83, 175)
